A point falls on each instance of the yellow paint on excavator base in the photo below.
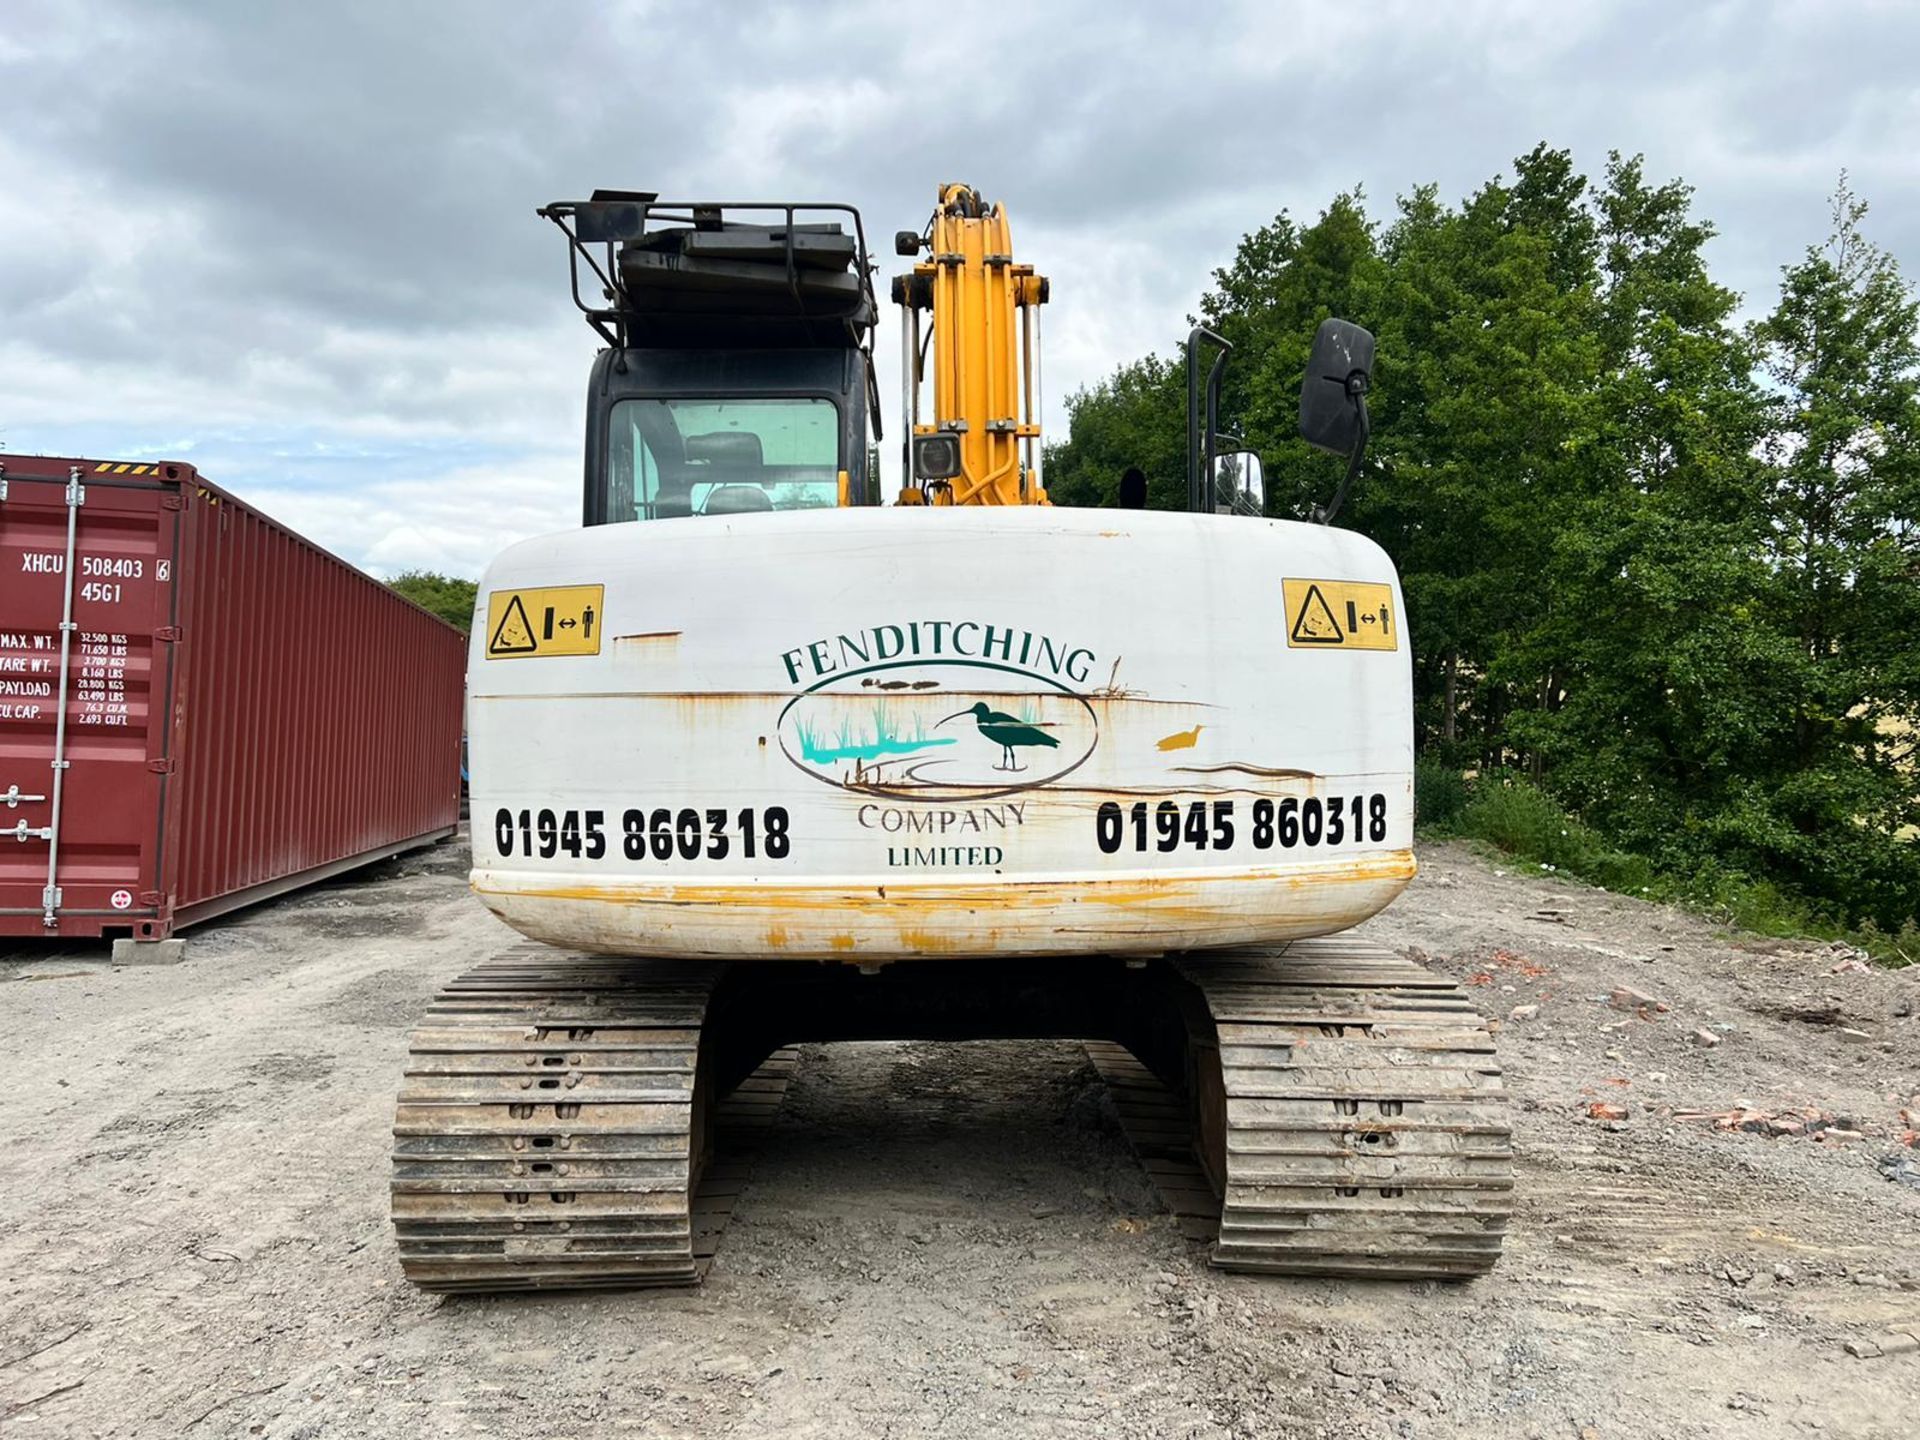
(984, 916)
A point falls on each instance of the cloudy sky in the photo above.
(295, 243)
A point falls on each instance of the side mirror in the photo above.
(1239, 484)
(1333, 414)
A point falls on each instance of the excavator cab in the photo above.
(739, 375)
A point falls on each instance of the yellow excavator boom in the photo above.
(975, 314)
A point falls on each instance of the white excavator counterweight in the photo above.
(784, 759)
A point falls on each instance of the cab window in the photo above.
(722, 457)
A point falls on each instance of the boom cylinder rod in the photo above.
(1026, 400)
(909, 389)
(1039, 399)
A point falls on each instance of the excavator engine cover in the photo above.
(881, 734)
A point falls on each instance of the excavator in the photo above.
(764, 757)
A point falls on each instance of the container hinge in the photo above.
(24, 832)
(14, 799)
(173, 502)
(168, 633)
(162, 766)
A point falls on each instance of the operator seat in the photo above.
(737, 500)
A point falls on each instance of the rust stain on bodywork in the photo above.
(678, 697)
(1268, 772)
(1113, 689)
(649, 644)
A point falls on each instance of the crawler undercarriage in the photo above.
(1322, 1108)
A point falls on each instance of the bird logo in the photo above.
(1009, 732)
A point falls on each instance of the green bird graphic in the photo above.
(1006, 731)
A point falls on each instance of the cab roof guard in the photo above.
(719, 273)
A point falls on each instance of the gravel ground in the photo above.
(953, 1240)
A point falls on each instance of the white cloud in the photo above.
(431, 522)
(301, 250)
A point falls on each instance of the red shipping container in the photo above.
(243, 712)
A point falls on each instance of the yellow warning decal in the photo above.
(1341, 615)
(554, 620)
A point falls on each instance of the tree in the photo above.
(1137, 416)
(1655, 676)
(1835, 814)
(447, 596)
(1669, 565)
(1483, 413)
(1282, 282)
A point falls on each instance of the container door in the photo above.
(86, 595)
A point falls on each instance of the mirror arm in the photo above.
(1214, 377)
(1323, 515)
(1199, 482)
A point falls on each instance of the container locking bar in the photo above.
(50, 896)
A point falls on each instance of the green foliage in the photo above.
(1531, 829)
(1662, 570)
(1514, 815)
(1842, 504)
(1439, 793)
(447, 596)
(1137, 417)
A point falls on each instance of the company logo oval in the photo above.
(938, 730)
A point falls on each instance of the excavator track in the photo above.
(1325, 1109)
(1345, 1105)
(552, 1129)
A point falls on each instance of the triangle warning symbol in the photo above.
(1315, 624)
(514, 634)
